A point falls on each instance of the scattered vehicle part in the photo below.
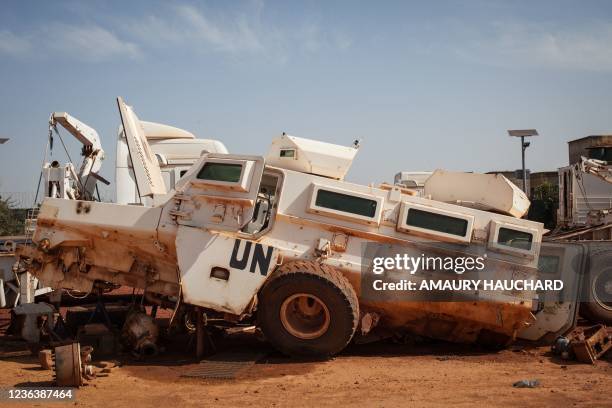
(368, 322)
(225, 365)
(45, 358)
(87, 369)
(140, 333)
(526, 384)
(562, 347)
(106, 366)
(72, 365)
(589, 344)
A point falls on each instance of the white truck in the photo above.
(278, 241)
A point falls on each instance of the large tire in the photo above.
(598, 291)
(598, 309)
(308, 309)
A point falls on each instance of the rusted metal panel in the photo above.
(590, 343)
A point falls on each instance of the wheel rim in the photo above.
(305, 316)
(602, 289)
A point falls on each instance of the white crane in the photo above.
(65, 182)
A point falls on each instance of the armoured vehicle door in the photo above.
(220, 215)
(220, 192)
(146, 169)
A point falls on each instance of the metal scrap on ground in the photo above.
(226, 365)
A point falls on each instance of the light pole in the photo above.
(523, 133)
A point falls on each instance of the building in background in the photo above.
(583, 195)
(594, 147)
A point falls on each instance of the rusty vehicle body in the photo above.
(237, 229)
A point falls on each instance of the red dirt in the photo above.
(382, 375)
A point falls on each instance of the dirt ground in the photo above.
(374, 375)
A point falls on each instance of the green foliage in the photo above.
(546, 192)
(544, 204)
(12, 220)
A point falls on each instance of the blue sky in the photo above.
(425, 85)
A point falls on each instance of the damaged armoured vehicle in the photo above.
(278, 242)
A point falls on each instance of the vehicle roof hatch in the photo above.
(149, 181)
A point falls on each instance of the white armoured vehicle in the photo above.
(278, 241)
(175, 150)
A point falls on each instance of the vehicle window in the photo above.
(227, 172)
(287, 153)
(514, 238)
(437, 222)
(548, 264)
(346, 203)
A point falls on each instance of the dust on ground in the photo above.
(375, 375)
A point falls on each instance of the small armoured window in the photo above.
(182, 173)
(346, 203)
(289, 153)
(514, 238)
(437, 222)
(226, 172)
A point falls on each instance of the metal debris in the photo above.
(590, 343)
(140, 332)
(45, 357)
(368, 322)
(72, 365)
(562, 347)
(225, 365)
(526, 384)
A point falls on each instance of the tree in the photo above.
(544, 204)
(12, 220)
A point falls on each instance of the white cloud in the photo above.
(186, 26)
(89, 43)
(587, 48)
(92, 43)
(342, 40)
(243, 31)
(237, 35)
(13, 44)
(310, 38)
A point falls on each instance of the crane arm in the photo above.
(598, 168)
(83, 133)
(92, 151)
